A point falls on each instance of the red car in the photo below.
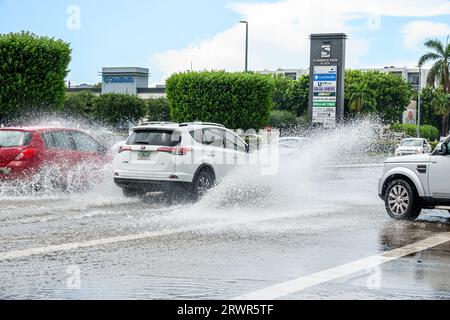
(24, 152)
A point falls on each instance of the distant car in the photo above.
(292, 142)
(26, 152)
(412, 146)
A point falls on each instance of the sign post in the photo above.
(327, 71)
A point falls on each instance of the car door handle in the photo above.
(212, 154)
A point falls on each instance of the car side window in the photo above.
(62, 140)
(197, 135)
(85, 143)
(213, 137)
(48, 139)
(233, 142)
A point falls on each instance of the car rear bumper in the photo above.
(153, 176)
(146, 185)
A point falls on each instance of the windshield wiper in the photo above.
(141, 142)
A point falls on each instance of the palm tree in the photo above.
(442, 108)
(358, 97)
(440, 54)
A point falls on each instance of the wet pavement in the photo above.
(218, 249)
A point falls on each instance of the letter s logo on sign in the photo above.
(326, 51)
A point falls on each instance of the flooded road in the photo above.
(100, 245)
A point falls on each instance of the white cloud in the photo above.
(416, 32)
(279, 33)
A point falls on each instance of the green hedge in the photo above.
(158, 109)
(283, 119)
(32, 73)
(116, 109)
(79, 104)
(428, 132)
(237, 100)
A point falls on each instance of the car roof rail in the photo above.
(147, 123)
(185, 124)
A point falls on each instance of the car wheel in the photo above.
(202, 183)
(401, 201)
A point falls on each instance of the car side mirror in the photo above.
(442, 149)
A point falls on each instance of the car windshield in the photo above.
(153, 137)
(10, 139)
(412, 143)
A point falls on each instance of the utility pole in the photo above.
(419, 101)
(246, 44)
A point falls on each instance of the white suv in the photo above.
(412, 183)
(185, 158)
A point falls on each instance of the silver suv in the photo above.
(412, 183)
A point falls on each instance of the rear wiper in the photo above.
(141, 142)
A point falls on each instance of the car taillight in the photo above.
(124, 148)
(27, 154)
(180, 151)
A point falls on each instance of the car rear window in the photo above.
(152, 137)
(9, 138)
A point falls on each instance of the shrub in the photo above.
(79, 104)
(237, 100)
(283, 119)
(158, 109)
(428, 132)
(118, 109)
(32, 73)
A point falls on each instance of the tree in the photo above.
(374, 91)
(118, 109)
(282, 119)
(440, 54)
(291, 95)
(32, 73)
(392, 94)
(358, 96)
(442, 108)
(298, 96)
(158, 109)
(236, 100)
(427, 110)
(79, 104)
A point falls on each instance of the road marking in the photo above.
(85, 244)
(293, 286)
(18, 254)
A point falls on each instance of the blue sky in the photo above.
(166, 36)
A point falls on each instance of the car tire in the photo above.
(402, 201)
(203, 182)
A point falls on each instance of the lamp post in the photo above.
(419, 101)
(246, 44)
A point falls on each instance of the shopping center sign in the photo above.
(326, 99)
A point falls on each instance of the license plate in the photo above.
(143, 155)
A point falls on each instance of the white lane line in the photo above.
(18, 254)
(85, 244)
(289, 287)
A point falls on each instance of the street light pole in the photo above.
(246, 44)
(419, 101)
